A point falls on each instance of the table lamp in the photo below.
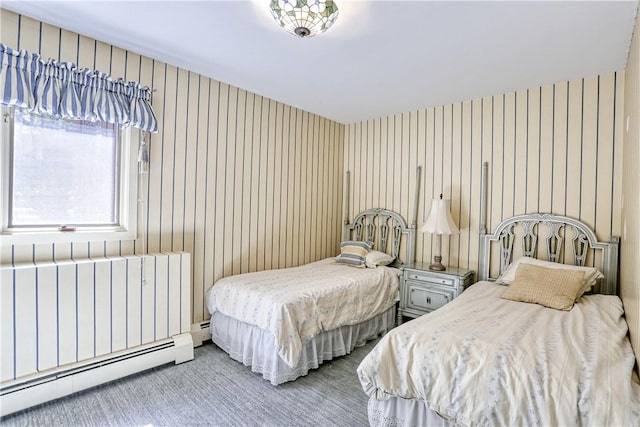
(439, 222)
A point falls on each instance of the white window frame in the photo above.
(128, 194)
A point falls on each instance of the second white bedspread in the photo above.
(483, 360)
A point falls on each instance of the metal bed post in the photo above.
(413, 227)
(345, 227)
(483, 265)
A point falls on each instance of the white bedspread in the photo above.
(294, 304)
(482, 360)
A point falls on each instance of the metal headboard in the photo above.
(385, 228)
(560, 229)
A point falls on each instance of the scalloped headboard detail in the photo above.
(385, 229)
(565, 239)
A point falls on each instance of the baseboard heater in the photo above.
(200, 332)
(64, 380)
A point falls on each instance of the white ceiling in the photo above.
(379, 58)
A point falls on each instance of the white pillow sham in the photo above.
(376, 258)
(591, 274)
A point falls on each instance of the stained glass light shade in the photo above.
(304, 18)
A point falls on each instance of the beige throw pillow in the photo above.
(553, 288)
(591, 274)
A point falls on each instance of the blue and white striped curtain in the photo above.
(63, 90)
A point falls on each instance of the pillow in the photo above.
(550, 287)
(353, 253)
(376, 258)
(591, 276)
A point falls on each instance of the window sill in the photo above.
(78, 236)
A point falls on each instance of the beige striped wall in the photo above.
(240, 181)
(556, 148)
(245, 183)
(630, 247)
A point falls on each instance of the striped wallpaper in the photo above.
(245, 183)
(630, 245)
(555, 148)
(240, 181)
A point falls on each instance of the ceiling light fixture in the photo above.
(304, 18)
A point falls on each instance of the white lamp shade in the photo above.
(440, 220)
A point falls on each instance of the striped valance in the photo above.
(61, 89)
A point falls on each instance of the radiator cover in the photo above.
(66, 326)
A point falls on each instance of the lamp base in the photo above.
(437, 264)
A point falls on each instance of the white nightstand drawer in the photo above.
(423, 290)
(421, 298)
(415, 275)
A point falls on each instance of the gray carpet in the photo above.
(213, 390)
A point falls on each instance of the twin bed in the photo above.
(285, 322)
(511, 351)
(499, 354)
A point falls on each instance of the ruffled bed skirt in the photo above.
(397, 412)
(255, 347)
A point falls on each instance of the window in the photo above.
(66, 180)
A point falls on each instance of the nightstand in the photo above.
(423, 291)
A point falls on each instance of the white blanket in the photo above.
(294, 304)
(482, 360)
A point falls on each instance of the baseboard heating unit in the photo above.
(200, 332)
(43, 387)
(70, 325)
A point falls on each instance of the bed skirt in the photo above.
(397, 412)
(255, 347)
